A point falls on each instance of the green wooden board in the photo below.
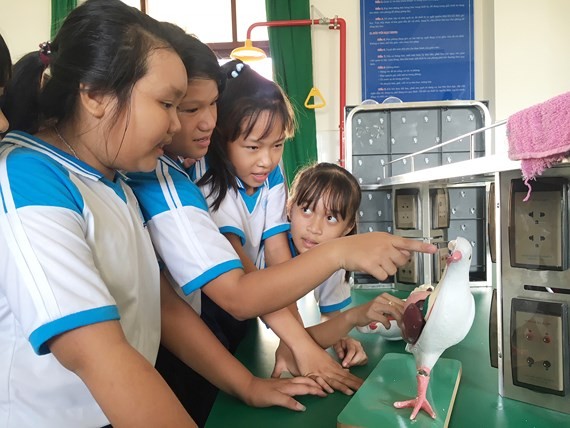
(394, 379)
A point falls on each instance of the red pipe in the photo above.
(334, 24)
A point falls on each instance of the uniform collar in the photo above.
(174, 164)
(79, 167)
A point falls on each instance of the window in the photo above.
(222, 25)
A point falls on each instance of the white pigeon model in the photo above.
(442, 320)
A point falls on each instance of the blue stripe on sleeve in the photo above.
(210, 275)
(337, 307)
(276, 230)
(36, 179)
(43, 334)
(235, 231)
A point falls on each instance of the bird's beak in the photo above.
(455, 256)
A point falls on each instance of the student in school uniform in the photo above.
(199, 258)
(82, 304)
(79, 280)
(322, 205)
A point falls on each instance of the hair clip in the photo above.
(239, 67)
(45, 53)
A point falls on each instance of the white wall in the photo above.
(24, 24)
(521, 54)
(532, 61)
(521, 58)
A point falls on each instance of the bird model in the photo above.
(432, 322)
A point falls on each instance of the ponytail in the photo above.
(21, 102)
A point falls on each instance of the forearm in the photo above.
(248, 264)
(295, 311)
(278, 286)
(333, 329)
(289, 330)
(125, 385)
(187, 337)
(277, 249)
(267, 290)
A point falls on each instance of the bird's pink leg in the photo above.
(420, 402)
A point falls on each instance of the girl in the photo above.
(65, 280)
(322, 205)
(197, 259)
(198, 116)
(243, 182)
(197, 112)
(5, 74)
(80, 281)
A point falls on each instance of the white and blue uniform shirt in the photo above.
(253, 218)
(334, 293)
(183, 233)
(73, 252)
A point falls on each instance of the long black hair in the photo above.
(5, 63)
(5, 73)
(246, 97)
(102, 44)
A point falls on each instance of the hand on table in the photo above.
(280, 392)
(317, 364)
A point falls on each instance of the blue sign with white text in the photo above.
(417, 50)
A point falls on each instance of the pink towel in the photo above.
(539, 136)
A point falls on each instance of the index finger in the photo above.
(414, 245)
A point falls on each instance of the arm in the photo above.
(182, 330)
(248, 265)
(277, 251)
(349, 350)
(329, 332)
(126, 386)
(179, 236)
(309, 357)
(266, 290)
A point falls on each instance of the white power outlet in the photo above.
(410, 272)
(440, 209)
(536, 237)
(440, 259)
(406, 211)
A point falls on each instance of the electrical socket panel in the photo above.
(410, 272)
(537, 228)
(439, 261)
(539, 345)
(406, 209)
(439, 208)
